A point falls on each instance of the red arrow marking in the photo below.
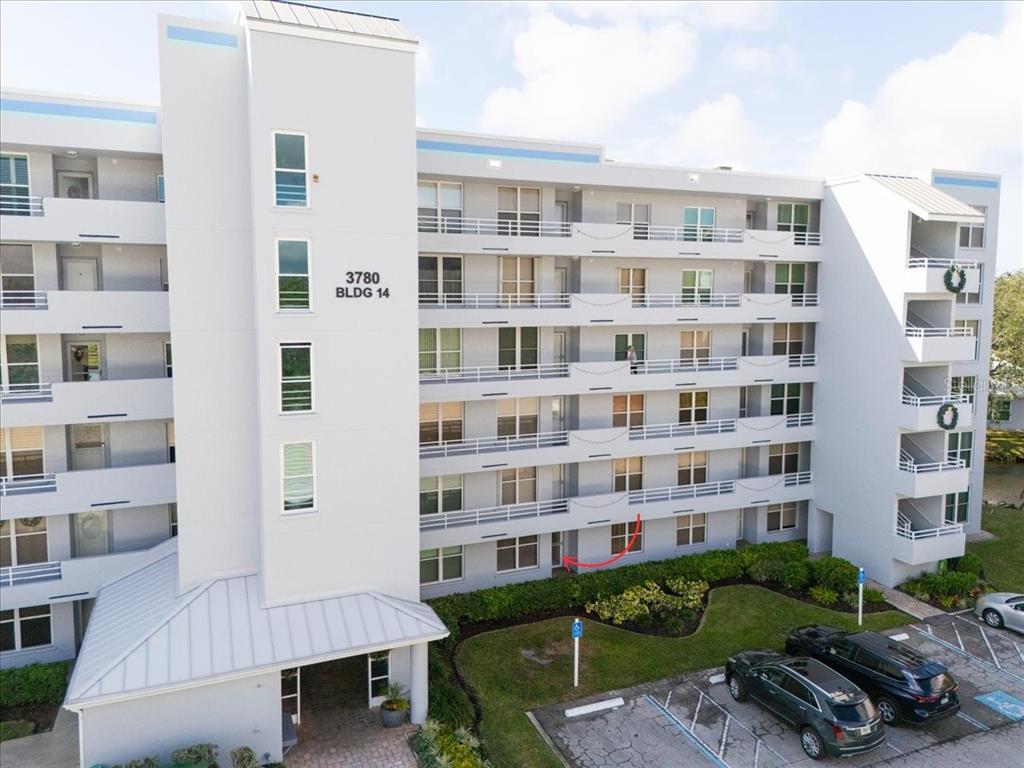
(569, 560)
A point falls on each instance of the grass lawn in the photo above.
(738, 617)
(1003, 556)
(15, 729)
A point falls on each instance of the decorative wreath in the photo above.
(948, 416)
(955, 278)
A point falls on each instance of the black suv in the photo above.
(832, 715)
(904, 684)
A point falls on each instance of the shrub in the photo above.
(691, 592)
(786, 551)
(851, 599)
(643, 601)
(33, 684)
(197, 754)
(15, 729)
(438, 746)
(835, 573)
(949, 583)
(823, 595)
(767, 570)
(449, 703)
(968, 563)
(872, 595)
(674, 625)
(142, 762)
(796, 574)
(244, 757)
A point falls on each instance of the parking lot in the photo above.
(692, 721)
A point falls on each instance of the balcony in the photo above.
(559, 238)
(81, 401)
(65, 493)
(919, 542)
(918, 476)
(62, 219)
(481, 454)
(919, 409)
(925, 274)
(484, 310)
(939, 345)
(553, 379)
(36, 312)
(468, 527)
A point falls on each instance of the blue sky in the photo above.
(821, 88)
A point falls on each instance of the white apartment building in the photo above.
(210, 319)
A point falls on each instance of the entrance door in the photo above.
(559, 351)
(557, 550)
(80, 275)
(84, 361)
(87, 448)
(378, 673)
(92, 533)
(74, 184)
(561, 280)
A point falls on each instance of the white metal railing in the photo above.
(803, 361)
(674, 492)
(21, 205)
(650, 431)
(445, 520)
(12, 576)
(908, 532)
(797, 478)
(803, 299)
(15, 392)
(12, 486)
(461, 225)
(799, 420)
(670, 300)
(902, 523)
(23, 300)
(932, 263)
(807, 238)
(909, 464)
(688, 233)
(917, 332)
(910, 398)
(487, 373)
(493, 444)
(685, 366)
(494, 301)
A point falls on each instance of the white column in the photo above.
(418, 684)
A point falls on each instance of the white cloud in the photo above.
(578, 80)
(709, 13)
(780, 58)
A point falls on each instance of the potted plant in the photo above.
(394, 707)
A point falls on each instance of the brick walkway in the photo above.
(350, 738)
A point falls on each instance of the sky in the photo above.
(808, 88)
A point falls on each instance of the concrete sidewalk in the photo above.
(906, 603)
(55, 749)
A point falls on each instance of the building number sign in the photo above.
(362, 285)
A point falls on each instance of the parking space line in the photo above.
(891, 746)
(725, 735)
(696, 710)
(959, 639)
(704, 748)
(972, 721)
(1005, 673)
(729, 717)
(984, 636)
(1019, 651)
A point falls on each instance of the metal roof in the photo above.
(325, 18)
(144, 637)
(926, 201)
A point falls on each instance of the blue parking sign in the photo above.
(577, 628)
(860, 576)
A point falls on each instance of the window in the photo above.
(999, 408)
(963, 385)
(698, 224)
(973, 235)
(517, 554)
(697, 285)
(518, 211)
(797, 689)
(794, 217)
(518, 348)
(21, 452)
(743, 403)
(440, 349)
(169, 431)
(628, 474)
(974, 326)
(960, 445)
(298, 475)
(293, 275)
(290, 187)
(627, 410)
(691, 468)
(623, 341)
(161, 196)
(23, 541)
(788, 339)
(439, 206)
(782, 517)
(19, 364)
(956, 507)
(440, 494)
(518, 281)
(518, 417)
(14, 194)
(296, 377)
(76, 185)
(440, 279)
(172, 517)
(633, 282)
(165, 284)
(622, 536)
(790, 278)
(437, 565)
(379, 673)
(25, 628)
(694, 346)
(168, 361)
(440, 422)
(691, 530)
(693, 406)
(783, 458)
(518, 486)
(637, 216)
(785, 399)
(17, 271)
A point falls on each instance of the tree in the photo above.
(1007, 365)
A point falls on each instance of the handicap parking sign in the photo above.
(860, 576)
(577, 628)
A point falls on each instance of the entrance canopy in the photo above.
(145, 638)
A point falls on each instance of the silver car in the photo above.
(1001, 609)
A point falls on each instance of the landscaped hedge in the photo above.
(448, 702)
(33, 684)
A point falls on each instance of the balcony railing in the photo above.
(653, 431)
(12, 393)
(15, 575)
(933, 263)
(21, 205)
(564, 300)
(919, 332)
(493, 444)
(459, 225)
(445, 520)
(693, 364)
(23, 300)
(488, 373)
(907, 532)
(909, 464)
(14, 486)
(688, 233)
(910, 398)
(494, 301)
(674, 492)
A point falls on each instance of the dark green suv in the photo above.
(832, 715)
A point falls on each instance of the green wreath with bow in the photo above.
(948, 416)
(957, 273)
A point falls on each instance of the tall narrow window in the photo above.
(168, 361)
(623, 537)
(518, 417)
(23, 541)
(782, 517)
(697, 285)
(518, 280)
(956, 507)
(691, 467)
(440, 422)
(693, 406)
(518, 211)
(694, 346)
(290, 183)
(21, 452)
(298, 477)
(19, 365)
(691, 529)
(296, 377)
(172, 518)
(440, 349)
(637, 216)
(17, 275)
(440, 279)
(440, 494)
(28, 627)
(161, 192)
(973, 235)
(783, 458)
(518, 486)
(171, 451)
(628, 474)
(790, 278)
(439, 206)
(788, 339)
(14, 194)
(293, 275)
(518, 348)
(785, 399)
(698, 224)
(960, 446)
(633, 282)
(628, 410)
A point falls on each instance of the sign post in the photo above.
(860, 596)
(577, 633)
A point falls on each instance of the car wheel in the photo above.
(888, 709)
(813, 746)
(737, 688)
(992, 618)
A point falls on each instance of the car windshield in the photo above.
(854, 713)
(940, 682)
